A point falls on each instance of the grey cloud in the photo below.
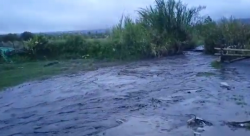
(59, 15)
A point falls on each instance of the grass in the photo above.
(14, 74)
(216, 64)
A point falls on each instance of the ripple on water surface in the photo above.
(151, 97)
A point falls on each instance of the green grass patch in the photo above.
(14, 74)
(216, 64)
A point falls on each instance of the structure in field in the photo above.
(231, 54)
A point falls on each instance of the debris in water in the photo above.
(191, 121)
(193, 91)
(197, 121)
(198, 124)
(225, 85)
(120, 121)
(245, 124)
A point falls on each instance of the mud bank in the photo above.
(150, 98)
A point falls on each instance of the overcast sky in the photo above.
(58, 15)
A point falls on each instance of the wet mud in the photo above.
(149, 98)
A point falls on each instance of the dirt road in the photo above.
(149, 98)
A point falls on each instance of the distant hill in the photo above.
(245, 20)
(97, 31)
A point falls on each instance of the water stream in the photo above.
(149, 98)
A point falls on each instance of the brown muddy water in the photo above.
(148, 98)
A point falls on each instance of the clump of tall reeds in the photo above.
(160, 30)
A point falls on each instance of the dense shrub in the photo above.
(160, 30)
(37, 47)
(226, 32)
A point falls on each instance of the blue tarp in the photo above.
(3, 51)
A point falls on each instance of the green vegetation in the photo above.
(25, 36)
(13, 74)
(216, 64)
(226, 32)
(166, 28)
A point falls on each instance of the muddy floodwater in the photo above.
(147, 98)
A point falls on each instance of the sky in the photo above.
(63, 15)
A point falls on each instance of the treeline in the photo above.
(15, 37)
(166, 28)
(25, 36)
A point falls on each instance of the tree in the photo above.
(36, 46)
(208, 19)
(10, 38)
(1, 38)
(25, 36)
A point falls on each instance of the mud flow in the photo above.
(147, 98)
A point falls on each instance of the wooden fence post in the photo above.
(221, 54)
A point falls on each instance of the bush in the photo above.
(73, 46)
(227, 32)
(159, 31)
(37, 47)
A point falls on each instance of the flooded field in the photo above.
(148, 98)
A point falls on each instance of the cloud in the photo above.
(60, 15)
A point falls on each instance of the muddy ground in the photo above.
(149, 98)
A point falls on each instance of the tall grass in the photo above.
(130, 39)
(227, 32)
(160, 30)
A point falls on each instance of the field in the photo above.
(16, 73)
